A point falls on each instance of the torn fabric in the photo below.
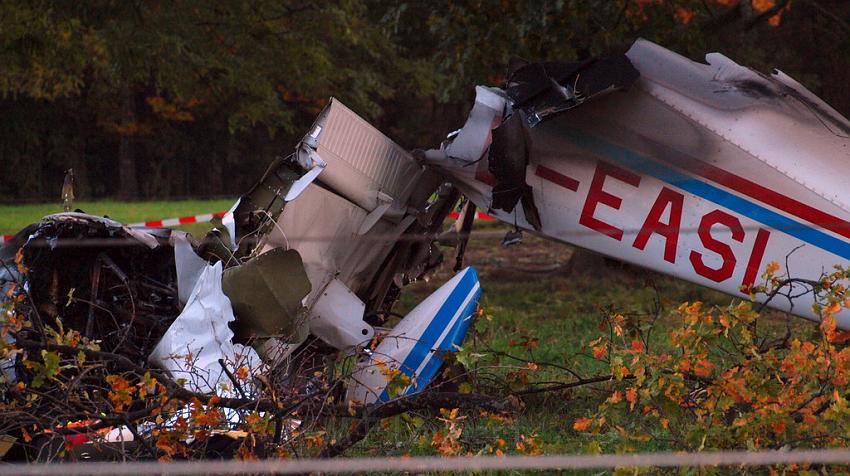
(189, 266)
(195, 342)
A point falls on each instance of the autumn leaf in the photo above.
(773, 266)
(683, 15)
(631, 397)
(242, 373)
(19, 261)
(599, 351)
(582, 424)
(832, 309)
(638, 346)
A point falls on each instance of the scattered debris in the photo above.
(315, 255)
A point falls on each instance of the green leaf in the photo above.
(51, 363)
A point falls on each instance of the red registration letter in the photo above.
(724, 250)
(669, 230)
(596, 196)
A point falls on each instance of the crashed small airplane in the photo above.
(702, 171)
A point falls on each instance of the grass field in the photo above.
(528, 293)
(15, 217)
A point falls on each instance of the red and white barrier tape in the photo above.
(180, 220)
(205, 217)
(209, 216)
(478, 216)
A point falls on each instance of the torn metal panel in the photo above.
(228, 222)
(363, 165)
(314, 165)
(471, 142)
(266, 293)
(255, 212)
(323, 227)
(347, 223)
(703, 171)
(507, 162)
(546, 89)
(337, 317)
(189, 266)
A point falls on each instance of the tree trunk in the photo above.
(77, 161)
(217, 165)
(127, 181)
(584, 262)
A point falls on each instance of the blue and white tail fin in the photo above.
(415, 347)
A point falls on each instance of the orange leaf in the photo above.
(684, 15)
(638, 346)
(242, 373)
(600, 351)
(773, 266)
(631, 396)
(582, 424)
(833, 308)
(839, 337)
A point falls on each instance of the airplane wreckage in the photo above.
(621, 155)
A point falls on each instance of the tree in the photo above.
(130, 70)
(196, 90)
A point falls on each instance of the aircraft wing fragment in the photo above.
(703, 171)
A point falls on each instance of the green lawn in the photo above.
(526, 296)
(15, 217)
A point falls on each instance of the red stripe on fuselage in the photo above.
(769, 197)
(556, 177)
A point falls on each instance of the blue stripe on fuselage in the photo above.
(709, 192)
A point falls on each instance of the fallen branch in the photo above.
(368, 414)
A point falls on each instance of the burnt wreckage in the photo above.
(323, 244)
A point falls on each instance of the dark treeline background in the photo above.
(165, 99)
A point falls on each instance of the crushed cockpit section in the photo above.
(312, 257)
(107, 281)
